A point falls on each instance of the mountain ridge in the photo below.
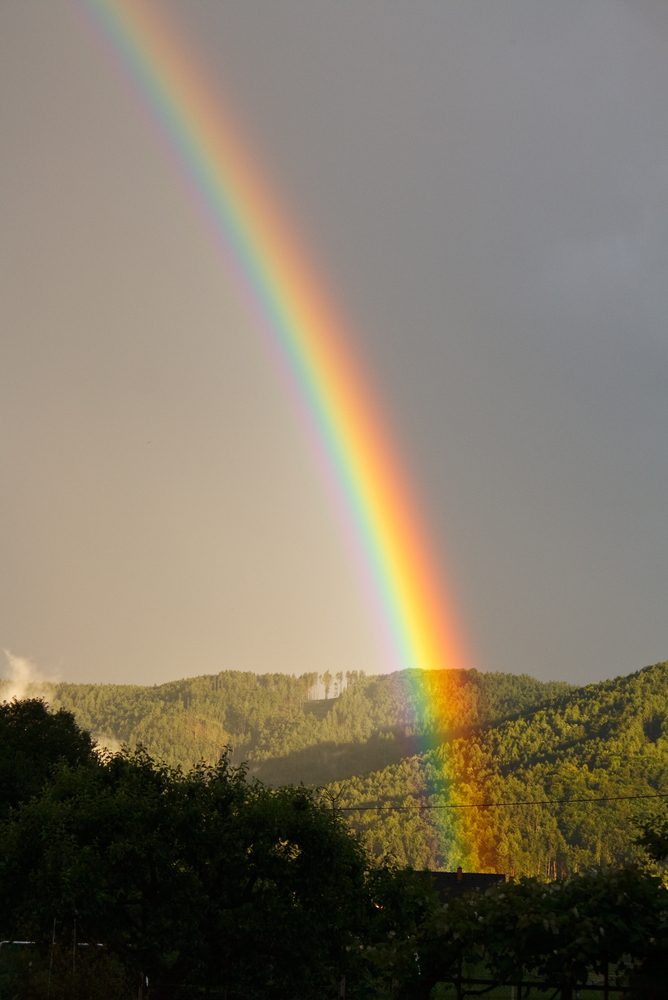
(411, 756)
(269, 722)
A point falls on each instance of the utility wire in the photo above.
(497, 805)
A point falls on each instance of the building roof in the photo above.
(451, 884)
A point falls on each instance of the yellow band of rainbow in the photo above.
(304, 333)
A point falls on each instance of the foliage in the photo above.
(425, 738)
(205, 880)
(561, 932)
(272, 723)
(652, 837)
(199, 879)
(32, 740)
(604, 740)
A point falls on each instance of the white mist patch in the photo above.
(106, 743)
(24, 680)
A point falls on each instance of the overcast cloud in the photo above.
(484, 188)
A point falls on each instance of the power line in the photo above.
(498, 805)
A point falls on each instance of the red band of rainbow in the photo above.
(351, 443)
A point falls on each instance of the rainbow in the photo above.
(413, 613)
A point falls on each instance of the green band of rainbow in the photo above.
(288, 305)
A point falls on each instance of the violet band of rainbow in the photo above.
(413, 610)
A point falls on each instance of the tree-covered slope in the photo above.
(423, 738)
(382, 720)
(269, 721)
(601, 741)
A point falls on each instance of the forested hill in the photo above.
(269, 721)
(606, 740)
(391, 745)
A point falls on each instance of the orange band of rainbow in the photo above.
(303, 331)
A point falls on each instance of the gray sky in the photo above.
(483, 186)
